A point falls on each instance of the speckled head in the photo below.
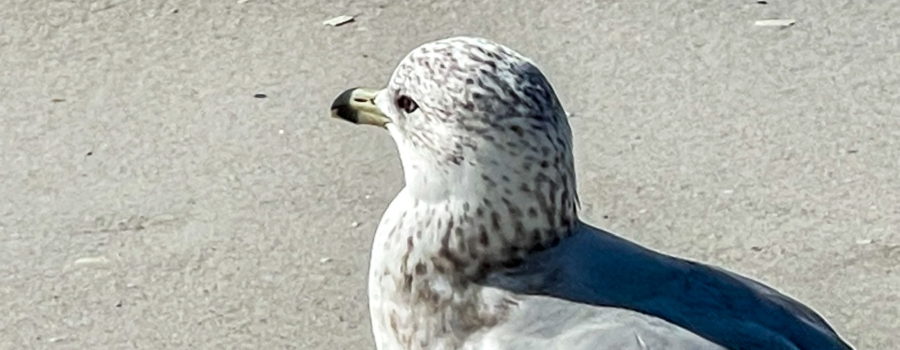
(468, 101)
(478, 123)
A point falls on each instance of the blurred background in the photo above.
(169, 176)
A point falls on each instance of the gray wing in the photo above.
(598, 268)
(544, 323)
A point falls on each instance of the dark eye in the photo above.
(407, 104)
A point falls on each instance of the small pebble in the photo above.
(260, 95)
(865, 241)
(324, 260)
(91, 261)
(354, 224)
(338, 21)
(775, 22)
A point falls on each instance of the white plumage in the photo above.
(483, 248)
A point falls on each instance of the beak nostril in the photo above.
(357, 105)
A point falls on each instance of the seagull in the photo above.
(483, 247)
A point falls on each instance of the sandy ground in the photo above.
(149, 200)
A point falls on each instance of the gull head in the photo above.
(469, 115)
(481, 133)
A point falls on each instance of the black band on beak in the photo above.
(341, 107)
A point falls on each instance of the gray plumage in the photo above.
(483, 248)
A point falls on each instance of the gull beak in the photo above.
(357, 106)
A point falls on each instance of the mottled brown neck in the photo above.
(464, 239)
(443, 257)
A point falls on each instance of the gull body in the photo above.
(483, 247)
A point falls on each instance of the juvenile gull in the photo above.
(483, 248)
